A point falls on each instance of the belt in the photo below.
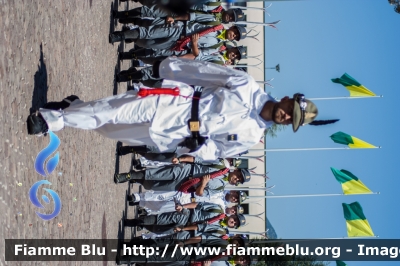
(195, 141)
(184, 31)
(194, 122)
(191, 213)
(192, 197)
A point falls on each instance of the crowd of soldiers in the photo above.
(159, 33)
(189, 136)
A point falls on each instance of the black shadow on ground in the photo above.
(119, 144)
(114, 6)
(120, 235)
(40, 86)
(104, 237)
(117, 69)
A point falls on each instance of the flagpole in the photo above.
(311, 195)
(313, 149)
(246, 188)
(247, 232)
(340, 98)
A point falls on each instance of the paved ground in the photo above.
(50, 49)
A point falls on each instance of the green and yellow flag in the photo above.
(357, 224)
(354, 87)
(352, 142)
(340, 263)
(350, 183)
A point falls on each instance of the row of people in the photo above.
(197, 35)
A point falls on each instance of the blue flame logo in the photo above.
(45, 153)
(40, 169)
(35, 201)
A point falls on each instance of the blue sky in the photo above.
(317, 41)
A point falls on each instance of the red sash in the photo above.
(180, 44)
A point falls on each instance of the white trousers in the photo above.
(157, 202)
(123, 117)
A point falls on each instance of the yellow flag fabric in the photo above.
(358, 143)
(353, 86)
(352, 142)
(359, 228)
(355, 187)
(356, 222)
(359, 91)
(350, 183)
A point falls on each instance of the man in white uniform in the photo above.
(229, 118)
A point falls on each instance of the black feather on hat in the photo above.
(323, 122)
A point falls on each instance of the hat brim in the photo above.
(235, 16)
(241, 30)
(297, 116)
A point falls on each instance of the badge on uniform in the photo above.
(233, 137)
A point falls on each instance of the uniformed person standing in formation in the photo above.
(198, 218)
(154, 202)
(172, 177)
(156, 15)
(229, 56)
(206, 111)
(234, 112)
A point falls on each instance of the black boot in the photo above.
(126, 56)
(156, 69)
(124, 150)
(136, 164)
(66, 102)
(128, 13)
(125, 177)
(130, 74)
(146, 220)
(36, 124)
(125, 20)
(142, 212)
(132, 222)
(116, 36)
(132, 200)
(142, 52)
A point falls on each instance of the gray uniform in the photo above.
(166, 222)
(155, 15)
(205, 6)
(202, 6)
(214, 227)
(203, 212)
(154, 11)
(171, 177)
(165, 37)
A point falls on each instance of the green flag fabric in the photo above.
(352, 142)
(340, 263)
(350, 183)
(356, 222)
(353, 86)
